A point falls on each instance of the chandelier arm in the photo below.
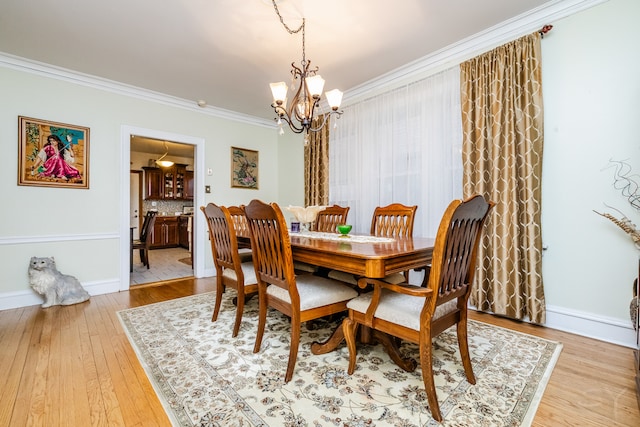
(325, 120)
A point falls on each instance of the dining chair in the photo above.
(144, 241)
(329, 218)
(230, 271)
(418, 314)
(394, 220)
(242, 231)
(303, 298)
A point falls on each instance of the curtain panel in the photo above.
(502, 116)
(316, 166)
(400, 146)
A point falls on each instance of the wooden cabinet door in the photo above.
(169, 183)
(188, 185)
(153, 183)
(183, 232)
(157, 238)
(171, 232)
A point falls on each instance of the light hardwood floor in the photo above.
(73, 366)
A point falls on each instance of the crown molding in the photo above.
(474, 45)
(51, 71)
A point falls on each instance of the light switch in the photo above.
(209, 171)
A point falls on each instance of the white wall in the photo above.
(591, 97)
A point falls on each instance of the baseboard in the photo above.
(589, 325)
(25, 298)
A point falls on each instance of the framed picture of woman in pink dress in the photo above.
(52, 154)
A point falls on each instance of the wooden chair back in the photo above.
(230, 271)
(394, 220)
(147, 225)
(329, 218)
(271, 246)
(144, 242)
(455, 253)
(224, 243)
(239, 220)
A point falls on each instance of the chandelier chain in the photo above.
(290, 31)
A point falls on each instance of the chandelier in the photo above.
(302, 110)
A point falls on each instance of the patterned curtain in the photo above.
(316, 166)
(502, 115)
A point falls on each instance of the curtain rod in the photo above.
(544, 30)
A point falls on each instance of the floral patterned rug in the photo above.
(204, 377)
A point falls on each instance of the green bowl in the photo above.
(344, 229)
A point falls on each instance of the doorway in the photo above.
(166, 168)
(136, 163)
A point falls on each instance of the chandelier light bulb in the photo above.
(334, 98)
(315, 84)
(279, 92)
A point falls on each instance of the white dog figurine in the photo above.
(55, 287)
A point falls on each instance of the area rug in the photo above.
(204, 377)
(185, 260)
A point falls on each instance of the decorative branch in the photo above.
(625, 224)
(626, 182)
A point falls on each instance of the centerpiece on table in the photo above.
(305, 216)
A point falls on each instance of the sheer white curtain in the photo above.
(403, 146)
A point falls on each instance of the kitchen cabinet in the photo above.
(188, 185)
(172, 183)
(165, 232)
(153, 183)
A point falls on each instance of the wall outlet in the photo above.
(154, 204)
(209, 171)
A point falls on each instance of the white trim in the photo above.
(25, 298)
(198, 197)
(75, 77)
(591, 325)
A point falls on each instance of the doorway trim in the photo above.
(198, 197)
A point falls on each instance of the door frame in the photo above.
(198, 197)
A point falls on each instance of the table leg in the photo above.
(329, 345)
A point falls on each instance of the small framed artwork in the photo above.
(52, 154)
(244, 168)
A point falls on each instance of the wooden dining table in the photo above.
(371, 259)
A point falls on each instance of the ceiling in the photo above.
(225, 52)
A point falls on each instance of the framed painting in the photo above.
(52, 154)
(244, 168)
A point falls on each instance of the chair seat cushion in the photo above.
(302, 266)
(399, 308)
(315, 291)
(343, 277)
(245, 255)
(248, 272)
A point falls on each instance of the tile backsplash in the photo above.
(165, 207)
